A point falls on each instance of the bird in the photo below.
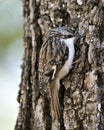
(55, 61)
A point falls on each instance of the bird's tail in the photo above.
(55, 104)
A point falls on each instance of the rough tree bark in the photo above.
(82, 95)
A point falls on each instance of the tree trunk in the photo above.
(82, 92)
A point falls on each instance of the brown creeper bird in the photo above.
(55, 61)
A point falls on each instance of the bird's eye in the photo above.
(69, 36)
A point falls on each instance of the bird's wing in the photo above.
(53, 55)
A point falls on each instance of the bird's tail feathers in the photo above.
(55, 104)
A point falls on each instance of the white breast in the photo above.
(67, 66)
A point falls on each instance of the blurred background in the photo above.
(11, 52)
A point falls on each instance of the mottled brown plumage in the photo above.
(53, 56)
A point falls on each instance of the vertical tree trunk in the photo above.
(82, 92)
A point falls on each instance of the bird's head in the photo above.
(63, 32)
